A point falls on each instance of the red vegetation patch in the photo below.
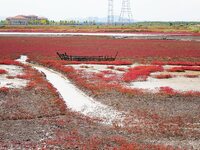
(25, 76)
(10, 62)
(140, 72)
(121, 69)
(3, 71)
(183, 69)
(192, 93)
(167, 90)
(84, 66)
(10, 77)
(75, 140)
(163, 76)
(177, 63)
(191, 76)
(176, 69)
(111, 67)
(191, 68)
(46, 47)
(108, 72)
(4, 89)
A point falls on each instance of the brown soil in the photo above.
(27, 124)
(35, 128)
(164, 105)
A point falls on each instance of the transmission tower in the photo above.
(126, 14)
(110, 12)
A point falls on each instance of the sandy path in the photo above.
(78, 101)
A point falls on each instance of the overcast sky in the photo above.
(143, 10)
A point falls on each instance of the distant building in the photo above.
(26, 20)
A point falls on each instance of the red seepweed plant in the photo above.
(167, 90)
(176, 63)
(163, 76)
(3, 71)
(4, 89)
(184, 68)
(10, 62)
(121, 69)
(140, 72)
(170, 91)
(191, 76)
(111, 67)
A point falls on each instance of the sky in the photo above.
(142, 10)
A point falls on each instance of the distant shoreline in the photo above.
(148, 36)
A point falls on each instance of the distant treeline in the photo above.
(176, 23)
(52, 22)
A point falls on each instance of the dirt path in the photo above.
(78, 101)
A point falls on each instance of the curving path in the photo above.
(78, 101)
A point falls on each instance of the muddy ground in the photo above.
(165, 105)
(24, 123)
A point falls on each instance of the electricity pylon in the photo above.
(126, 14)
(110, 12)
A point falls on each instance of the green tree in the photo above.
(43, 22)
